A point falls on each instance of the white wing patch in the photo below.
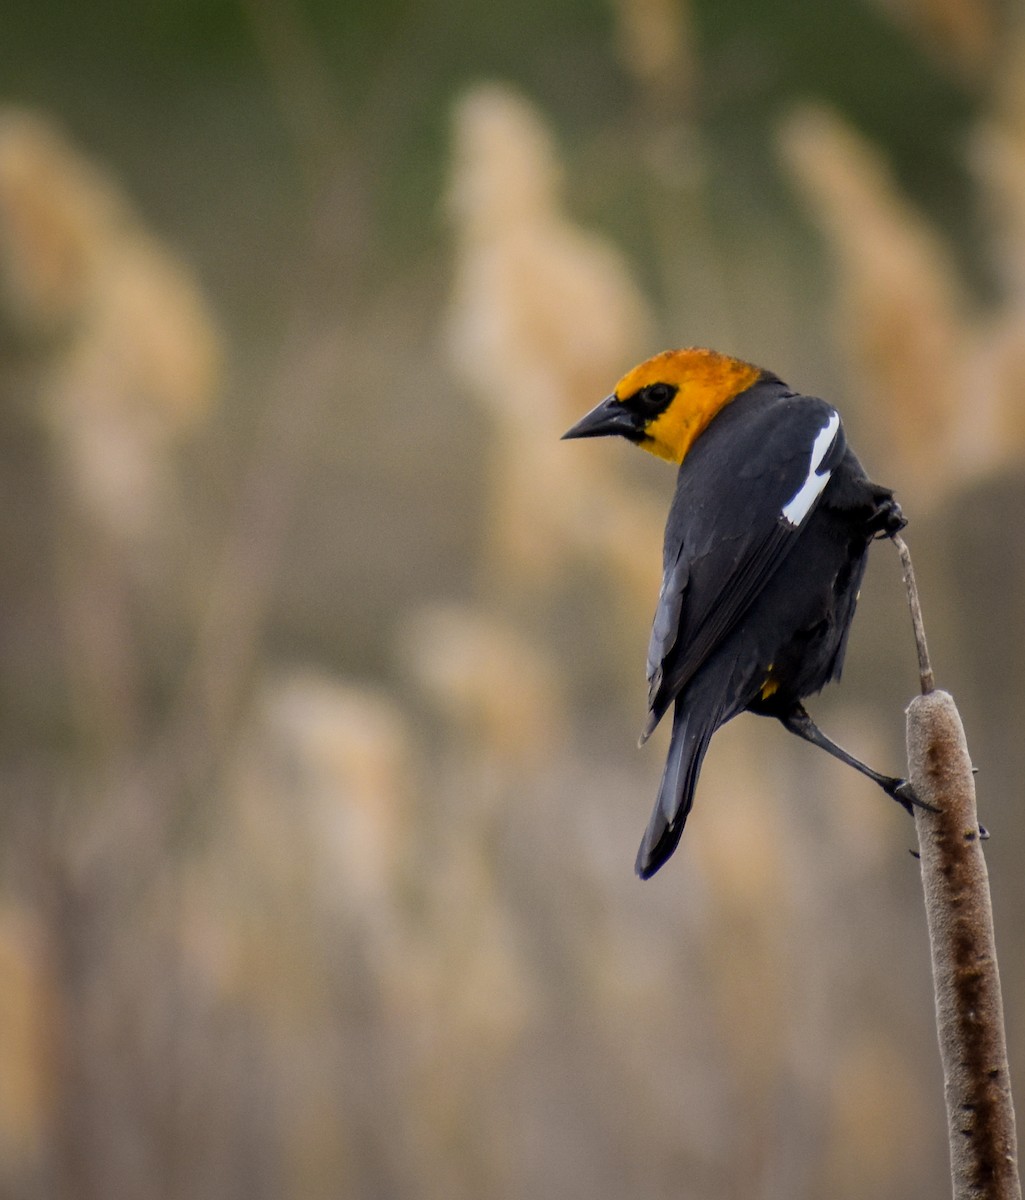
(800, 504)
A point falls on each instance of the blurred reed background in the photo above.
(323, 658)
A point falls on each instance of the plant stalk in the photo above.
(969, 1006)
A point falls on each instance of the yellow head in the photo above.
(666, 403)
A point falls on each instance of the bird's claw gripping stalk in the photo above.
(905, 796)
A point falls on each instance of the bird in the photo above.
(765, 549)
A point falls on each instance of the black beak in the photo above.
(610, 417)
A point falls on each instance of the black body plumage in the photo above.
(751, 603)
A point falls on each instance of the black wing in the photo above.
(744, 493)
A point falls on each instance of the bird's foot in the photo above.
(902, 791)
(887, 520)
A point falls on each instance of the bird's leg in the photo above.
(799, 722)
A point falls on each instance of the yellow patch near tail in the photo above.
(769, 687)
(705, 381)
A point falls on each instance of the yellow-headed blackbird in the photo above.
(765, 548)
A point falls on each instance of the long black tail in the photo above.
(692, 731)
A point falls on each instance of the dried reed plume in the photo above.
(27, 1087)
(900, 309)
(545, 317)
(962, 35)
(127, 344)
(498, 692)
(998, 159)
(656, 42)
(903, 312)
(336, 896)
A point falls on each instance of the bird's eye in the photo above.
(658, 395)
